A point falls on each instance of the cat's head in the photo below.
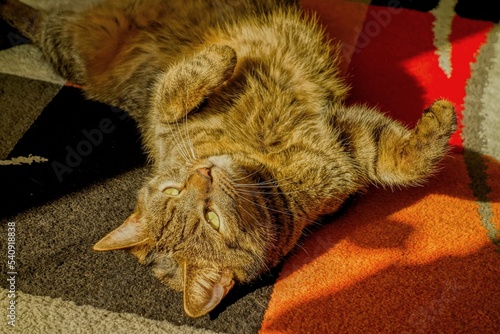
(200, 232)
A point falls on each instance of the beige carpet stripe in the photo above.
(444, 14)
(36, 314)
(481, 123)
(491, 97)
(481, 115)
(28, 62)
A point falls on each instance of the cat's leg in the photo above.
(51, 33)
(104, 50)
(187, 83)
(22, 17)
(391, 154)
(86, 48)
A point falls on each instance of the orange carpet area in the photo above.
(417, 260)
(410, 261)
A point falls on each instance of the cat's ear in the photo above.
(130, 234)
(204, 289)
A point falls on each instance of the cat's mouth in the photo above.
(224, 162)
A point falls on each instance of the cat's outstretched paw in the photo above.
(186, 84)
(438, 122)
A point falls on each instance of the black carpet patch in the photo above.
(486, 10)
(420, 5)
(84, 141)
(10, 37)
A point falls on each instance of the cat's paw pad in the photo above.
(439, 120)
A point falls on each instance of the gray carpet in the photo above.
(62, 202)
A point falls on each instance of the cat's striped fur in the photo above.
(242, 111)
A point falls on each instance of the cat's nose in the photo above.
(201, 179)
(205, 172)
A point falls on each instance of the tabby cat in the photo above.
(243, 114)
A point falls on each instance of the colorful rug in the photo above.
(419, 260)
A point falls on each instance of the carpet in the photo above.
(417, 260)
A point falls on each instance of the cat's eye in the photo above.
(171, 191)
(213, 219)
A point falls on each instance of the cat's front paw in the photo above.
(438, 121)
(189, 82)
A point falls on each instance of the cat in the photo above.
(241, 105)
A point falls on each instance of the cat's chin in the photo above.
(224, 162)
(234, 164)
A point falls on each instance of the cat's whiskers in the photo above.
(179, 140)
(247, 176)
(269, 209)
(250, 192)
(189, 141)
(180, 150)
(254, 189)
(184, 145)
(176, 141)
(263, 185)
(261, 260)
(271, 181)
(260, 186)
(299, 246)
(266, 184)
